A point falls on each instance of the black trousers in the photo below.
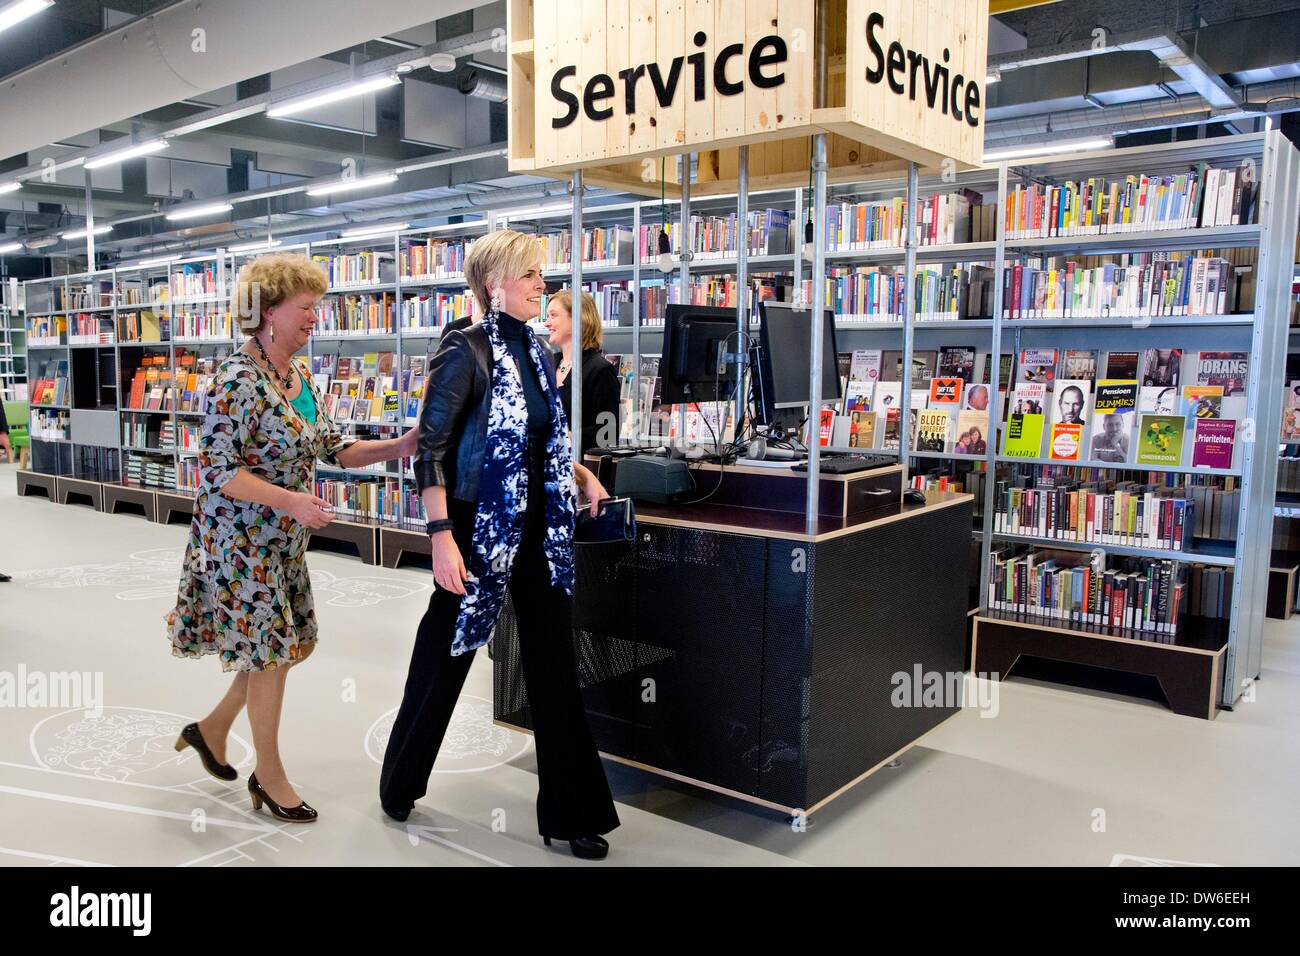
(573, 796)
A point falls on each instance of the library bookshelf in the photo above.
(394, 293)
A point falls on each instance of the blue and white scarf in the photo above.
(503, 493)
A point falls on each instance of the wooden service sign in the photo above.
(617, 80)
(914, 78)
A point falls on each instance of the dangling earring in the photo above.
(271, 330)
(495, 305)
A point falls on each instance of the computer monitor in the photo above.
(784, 360)
(697, 341)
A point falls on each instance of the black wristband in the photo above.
(442, 524)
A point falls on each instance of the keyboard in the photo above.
(845, 464)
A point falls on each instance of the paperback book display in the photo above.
(1102, 512)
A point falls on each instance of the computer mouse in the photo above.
(914, 496)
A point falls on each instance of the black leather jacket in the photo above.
(454, 416)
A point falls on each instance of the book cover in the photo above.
(888, 396)
(1158, 399)
(1024, 436)
(932, 429)
(1122, 365)
(1037, 366)
(1070, 401)
(857, 397)
(345, 409)
(975, 397)
(893, 437)
(923, 365)
(1161, 367)
(862, 429)
(826, 427)
(865, 366)
(957, 361)
(1160, 439)
(1029, 398)
(1227, 369)
(1067, 439)
(1212, 443)
(1202, 401)
(1078, 364)
(1111, 435)
(972, 427)
(945, 391)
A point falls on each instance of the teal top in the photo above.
(305, 402)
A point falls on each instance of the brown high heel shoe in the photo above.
(190, 737)
(302, 813)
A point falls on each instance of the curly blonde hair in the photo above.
(268, 281)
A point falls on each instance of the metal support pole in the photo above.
(575, 347)
(995, 391)
(742, 278)
(90, 225)
(818, 307)
(909, 323)
(684, 287)
(636, 324)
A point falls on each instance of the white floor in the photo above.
(1058, 777)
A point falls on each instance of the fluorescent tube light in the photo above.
(347, 185)
(129, 152)
(538, 211)
(373, 231)
(992, 78)
(343, 92)
(197, 212)
(81, 233)
(160, 260)
(20, 10)
(255, 246)
(10, 187)
(1046, 149)
(10, 247)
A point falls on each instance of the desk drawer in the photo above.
(872, 489)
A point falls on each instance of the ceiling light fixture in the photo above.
(197, 212)
(130, 152)
(255, 246)
(1046, 149)
(15, 13)
(537, 211)
(10, 247)
(373, 231)
(993, 77)
(347, 185)
(10, 187)
(160, 260)
(81, 233)
(343, 92)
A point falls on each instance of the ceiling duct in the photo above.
(484, 84)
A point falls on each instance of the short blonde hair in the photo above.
(496, 256)
(268, 281)
(593, 335)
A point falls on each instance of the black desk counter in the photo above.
(730, 649)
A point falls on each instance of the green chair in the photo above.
(16, 415)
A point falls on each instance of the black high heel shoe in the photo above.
(302, 813)
(586, 848)
(190, 737)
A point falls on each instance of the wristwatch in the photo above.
(442, 524)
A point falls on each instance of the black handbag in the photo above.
(614, 523)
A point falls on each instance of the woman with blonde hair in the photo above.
(497, 481)
(600, 383)
(244, 591)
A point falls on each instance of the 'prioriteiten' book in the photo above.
(1212, 443)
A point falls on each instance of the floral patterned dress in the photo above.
(244, 591)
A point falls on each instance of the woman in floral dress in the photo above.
(244, 591)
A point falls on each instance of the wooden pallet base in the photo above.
(362, 536)
(394, 543)
(79, 491)
(36, 483)
(174, 508)
(117, 497)
(1191, 678)
(1281, 591)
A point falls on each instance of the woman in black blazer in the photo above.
(499, 487)
(600, 384)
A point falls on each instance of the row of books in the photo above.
(356, 268)
(367, 312)
(434, 259)
(49, 384)
(1288, 473)
(48, 424)
(362, 496)
(434, 310)
(191, 324)
(149, 471)
(718, 237)
(187, 474)
(941, 219)
(45, 328)
(1126, 594)
(195, 281)
(1196, 286)
(1108, 512)
(143, 325)
(142, 431)
(600, 247)
(876, 294)
(1202, 197)
(90, 328)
